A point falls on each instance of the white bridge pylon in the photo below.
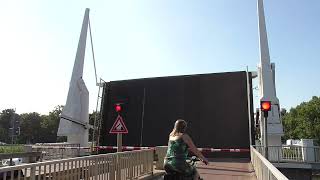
(266, 73)
(74, 119)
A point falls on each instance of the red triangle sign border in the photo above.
(113, 129)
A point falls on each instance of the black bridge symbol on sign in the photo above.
(118, 127)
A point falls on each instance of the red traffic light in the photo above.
(265, 105)
(118, 107)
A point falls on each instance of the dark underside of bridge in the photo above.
(214, 105)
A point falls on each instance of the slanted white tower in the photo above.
(266, 73)
(74, 119)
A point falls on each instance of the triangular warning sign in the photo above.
(118, 126)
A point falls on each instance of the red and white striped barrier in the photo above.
(200, 149)
(123, 148)
(53, 147)
(141, 148)
(222, 150)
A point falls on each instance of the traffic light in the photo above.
(118, 108)
(120, 104)
(17, 131)
(14, 125)
(265, 107)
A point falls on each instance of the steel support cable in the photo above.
(94, 60)
(97, 84)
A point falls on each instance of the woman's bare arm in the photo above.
(187, 139)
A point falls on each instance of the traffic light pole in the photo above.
(11, 134)
(265, 139)
(12, 119)
(119, 149)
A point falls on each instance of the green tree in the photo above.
(36, 128)
(92, 117)
(3, 135)
(5, 124)
(30, 128)
(49, 125)
(303, 121)
(52, 123)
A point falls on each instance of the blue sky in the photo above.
(149, 38)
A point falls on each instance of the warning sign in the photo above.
(118, 127)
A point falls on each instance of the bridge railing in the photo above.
(263, 168)
(291, 153)
(51, 151)
(124, 165)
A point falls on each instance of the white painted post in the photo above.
(308, 151)
(119, 142)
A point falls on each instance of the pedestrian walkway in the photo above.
(227, 169)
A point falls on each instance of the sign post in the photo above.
(119, 128)
(119, 142)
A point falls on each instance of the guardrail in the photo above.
(52, 151)
(263, 168)
(292, 153)
(123, 165)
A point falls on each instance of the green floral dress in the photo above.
(176, 158)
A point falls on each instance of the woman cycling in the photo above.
(177, 152)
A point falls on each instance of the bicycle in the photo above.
(174, 175)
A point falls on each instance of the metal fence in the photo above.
(292, 153)
(52, 151)
(124, 165)
(263, 168)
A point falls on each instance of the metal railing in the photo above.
(60, 150)
(124, 165)
(292, 153)
(98, 114)
(263, 168)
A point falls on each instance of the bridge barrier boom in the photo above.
(142, 148)
(200, 149)
(123, 165)
(222, 150)
(123, 148)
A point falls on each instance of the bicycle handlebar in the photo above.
(192, 160)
